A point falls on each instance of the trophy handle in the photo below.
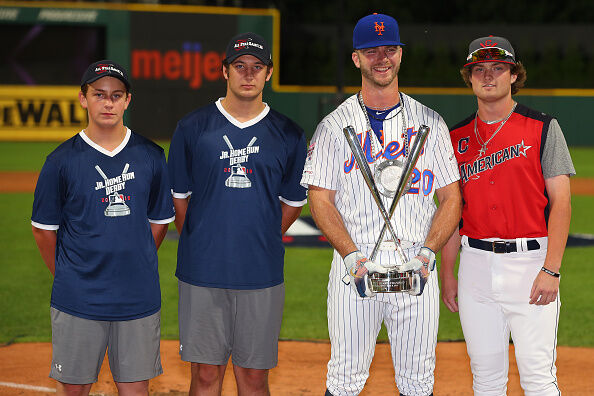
(353, 141)
(409, 166)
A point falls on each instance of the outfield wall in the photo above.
(571, 107)
(173, 54)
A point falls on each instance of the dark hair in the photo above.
(85, 88)
(517, 69)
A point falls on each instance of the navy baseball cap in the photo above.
(248, 44)
(490, 49)
(104, 68)
(376, 30)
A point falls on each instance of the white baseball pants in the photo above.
(493, 295)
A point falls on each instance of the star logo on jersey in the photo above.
(523, 149)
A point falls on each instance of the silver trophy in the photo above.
(393, 281)
(387, 175)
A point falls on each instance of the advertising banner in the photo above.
(50, 112)
(175, 66)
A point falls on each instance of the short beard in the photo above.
(369, 75)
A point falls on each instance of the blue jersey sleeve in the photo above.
(179, 164)
(160, 204)
(47, 202)
(292, 193)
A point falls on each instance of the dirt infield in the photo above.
(25, 182)
(301, 371)
(22, 182)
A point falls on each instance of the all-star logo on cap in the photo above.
(103, 68)
(245, 44)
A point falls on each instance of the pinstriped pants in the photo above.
(353, 326)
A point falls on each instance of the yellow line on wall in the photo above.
(142, 7)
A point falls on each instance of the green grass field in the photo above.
(25, 283)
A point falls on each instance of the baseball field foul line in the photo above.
(27, 387)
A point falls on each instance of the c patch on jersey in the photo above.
(463, 145)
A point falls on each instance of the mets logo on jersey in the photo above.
(472, 170)
(420, 181)
(392, 151)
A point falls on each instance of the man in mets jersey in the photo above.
(386, 121)
(515, 169)
(101, 209)
(235, 167)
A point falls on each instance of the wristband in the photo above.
(429, 257)
(548, 271)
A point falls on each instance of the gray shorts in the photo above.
(78, 348)
(217, 323)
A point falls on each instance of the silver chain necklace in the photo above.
(370, 129)
(478, 137)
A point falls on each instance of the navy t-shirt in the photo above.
(237, 174)
(101, 203)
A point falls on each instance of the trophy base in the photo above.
(391, 282)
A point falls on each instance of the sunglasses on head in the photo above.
(492, 54)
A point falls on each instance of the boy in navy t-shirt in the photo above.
(235, 167)
(101, 209)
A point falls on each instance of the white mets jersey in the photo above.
(331, 165)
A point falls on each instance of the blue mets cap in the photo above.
(376, 30)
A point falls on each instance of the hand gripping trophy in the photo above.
(393, 184)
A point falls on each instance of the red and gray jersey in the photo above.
(504, 188)
(330, 165)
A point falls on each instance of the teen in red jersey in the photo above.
(514, 170)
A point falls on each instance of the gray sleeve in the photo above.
(555, 158)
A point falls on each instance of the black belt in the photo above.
(501, 246)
